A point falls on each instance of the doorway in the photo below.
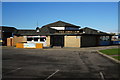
(57, 41)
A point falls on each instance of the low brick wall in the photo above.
(28, 45)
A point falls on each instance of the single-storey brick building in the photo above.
(6, 32)
(63, 34)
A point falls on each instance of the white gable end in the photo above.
(59, 28)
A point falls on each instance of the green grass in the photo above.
(111, 52)
(115, 51)
(116, 57)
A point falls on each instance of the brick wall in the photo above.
(17, 39)
(72, 41)
(48, 41)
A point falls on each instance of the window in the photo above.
(29, 39)
(42, 39)
(104, 38)
(71, 28)
(36, 39)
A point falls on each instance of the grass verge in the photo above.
(115, 53)
(117, 57)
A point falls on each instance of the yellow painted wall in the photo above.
(39, 45)
(72, 41)
(48, 41)
(19, 45)
(9, 41)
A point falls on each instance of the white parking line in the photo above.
(52, 74)
(13, 70)
(102, 76)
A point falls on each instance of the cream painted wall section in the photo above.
(48, 41)
(72, 41)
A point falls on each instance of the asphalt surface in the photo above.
(49, 64)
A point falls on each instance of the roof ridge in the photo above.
(7, 27)
(25, 29)
(60, 24)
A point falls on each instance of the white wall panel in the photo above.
(59, 28)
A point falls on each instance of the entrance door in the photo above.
(57, 41)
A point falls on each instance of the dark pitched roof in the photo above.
(48, 30)
(7, 29)
(26, 32)
(61, 24)
(87, 30)
(42, 31)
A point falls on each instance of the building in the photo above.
(116, 39)
(64, 35)
(6, 32)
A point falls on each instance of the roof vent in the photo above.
(98, 31)
(83, 31)
(37, 29)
